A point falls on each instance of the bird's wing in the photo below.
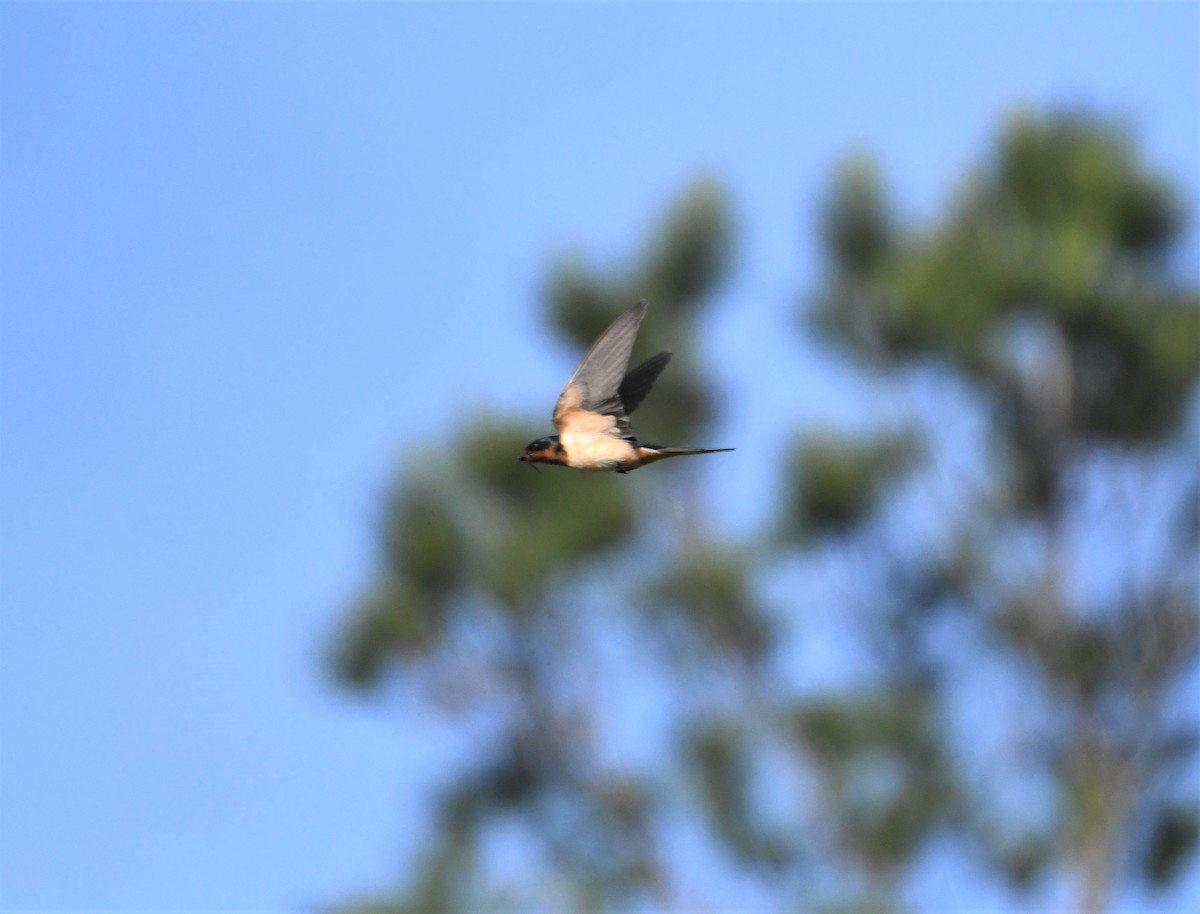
(591, 401)
(638, 381)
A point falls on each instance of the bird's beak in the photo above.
(522, 458)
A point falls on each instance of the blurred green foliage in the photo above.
(1172, 840)
(882, 765)
(837, 479)
(713, 594)
(1044, 295)
(720, 754)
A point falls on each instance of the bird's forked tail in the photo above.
(660, 453)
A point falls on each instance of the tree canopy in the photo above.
(1007, 555)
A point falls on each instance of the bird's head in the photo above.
(543, 450)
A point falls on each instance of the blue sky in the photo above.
(250, 253)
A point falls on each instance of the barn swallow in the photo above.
(592, 412)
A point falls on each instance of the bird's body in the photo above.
(592, 412)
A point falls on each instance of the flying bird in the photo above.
(592, 412)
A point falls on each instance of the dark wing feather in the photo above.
(599, 374)
(638, 381)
